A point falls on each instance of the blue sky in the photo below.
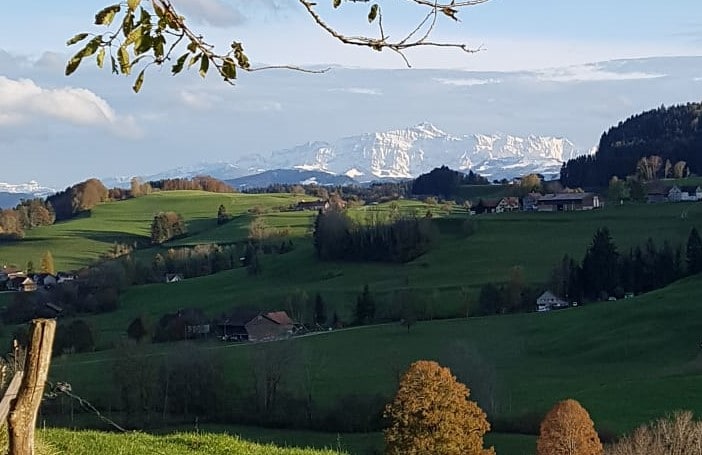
(99, 128)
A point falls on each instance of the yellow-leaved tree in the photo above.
(431, 414)
(47, 263)
(568, 430)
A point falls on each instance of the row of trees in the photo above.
(78, 198)
(337, 237)
(605, 272)
(198, 183)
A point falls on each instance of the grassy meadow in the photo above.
(627, 361)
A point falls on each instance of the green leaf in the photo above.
(106, 15)
(228, 69)
(337, 3)
(143, 45)
(204, 65)
(76, 39)
(145, 18)
(373, 13)
(139, 81)
(91, 47)
(158, 45)
(178, 67)
(192, 47)
(123, 58)
(194, 60)
(133, 4)
(128, 24)
(101, 57)
(133, 36)
(72, 64)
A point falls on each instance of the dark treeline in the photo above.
(605, 272)
(672, 133)
(199, 183)
(445, 182)
(338, 237)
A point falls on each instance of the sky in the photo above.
(91, 124)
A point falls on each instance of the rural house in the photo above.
(269, 326)
(548, 301)
(486, 206)
(253, 325)
(313, 205)
(507, 204)
(566, 202)
(174, 277)
(684, 193)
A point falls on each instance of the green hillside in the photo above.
(627, 361)
(74, 243)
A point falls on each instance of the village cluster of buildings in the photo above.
(28, 282)
(673, 193)
(553, 202)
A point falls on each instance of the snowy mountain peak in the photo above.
(404, 153)
(32, 187)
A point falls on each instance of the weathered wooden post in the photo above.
(23, 414)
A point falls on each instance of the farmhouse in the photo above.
(313, 205)
(244, 325)
(548, 301)
(486, 206)
(674, 193)
(269, 326)
(566, 202)
(507, 204)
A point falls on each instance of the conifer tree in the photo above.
(431, 414)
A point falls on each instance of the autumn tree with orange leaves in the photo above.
(431, 414)
(568, 430)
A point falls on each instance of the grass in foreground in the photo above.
(92, 442)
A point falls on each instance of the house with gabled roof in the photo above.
(549, 301)
(270, 326)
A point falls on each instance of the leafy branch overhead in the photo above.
(151, 32)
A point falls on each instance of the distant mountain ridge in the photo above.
(395, 154)
(12, 194)
(289, 177)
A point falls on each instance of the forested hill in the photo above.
(672, 133)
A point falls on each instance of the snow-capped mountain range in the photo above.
(401, 153)
(32, 187)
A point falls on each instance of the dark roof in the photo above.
(489, 203)
(689, 189)
(238, 317)
(562, 197)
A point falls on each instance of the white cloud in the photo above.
(200, 101)
(590, 73)
(358, 91)
(211, 12)
(22, 101)
(697, 79)
(470, 82)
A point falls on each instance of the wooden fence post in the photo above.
(23, 415)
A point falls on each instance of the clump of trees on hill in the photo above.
(336, 236)
(78, 198)
(445, 182)
(167, 226)
(26, 215)
(199, 183)
(664, 135)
